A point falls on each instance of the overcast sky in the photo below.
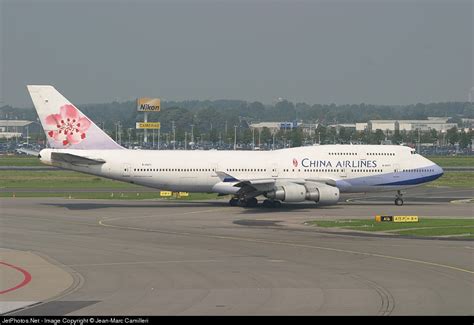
(380, 52)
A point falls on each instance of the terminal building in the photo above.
(439, 124)
(274, 127)
(18, 128)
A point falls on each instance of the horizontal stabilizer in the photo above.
(74, 159)
(28, 152)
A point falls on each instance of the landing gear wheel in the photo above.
(252, 202)
(234, 202)
(399, 200)
(271, 204)
(267, 204)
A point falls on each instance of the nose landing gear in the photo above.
(399, 199)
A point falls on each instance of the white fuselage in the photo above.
(352, 168)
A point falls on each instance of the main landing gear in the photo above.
(250, 202)
(234, 202)
(271, 204)
(399, 199)
(253, 202)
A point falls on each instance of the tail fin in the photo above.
(65, 126)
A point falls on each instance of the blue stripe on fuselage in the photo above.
(394, 178)
(414, 181)
(230, 179)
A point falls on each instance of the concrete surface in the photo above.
(200, 258)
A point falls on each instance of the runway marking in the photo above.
(26, 278)
(169, 215)
(471, 200)
(142, 262)
(261, 241)
(422, 228)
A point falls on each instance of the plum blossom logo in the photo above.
(70, 126)
(295, 162)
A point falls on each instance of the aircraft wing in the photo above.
(75, 159)
(251, 187)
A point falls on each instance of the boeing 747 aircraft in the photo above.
(316, 173)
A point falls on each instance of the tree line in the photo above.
(216, 120)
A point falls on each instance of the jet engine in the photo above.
(311, 191)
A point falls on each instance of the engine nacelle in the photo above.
(321, 194)
(288, 193)
(312, 191)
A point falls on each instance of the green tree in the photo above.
(265, 135)
(452, 135)
(296, 137)
(379, 136)
(465, 139)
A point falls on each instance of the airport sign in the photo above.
(405, 219)
(148, 125)
(383, 218)
(166, 193)
(396, 218)
(148, 104)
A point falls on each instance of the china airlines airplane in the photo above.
(316, 173)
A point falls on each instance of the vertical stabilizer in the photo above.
(66, 127)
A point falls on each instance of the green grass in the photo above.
(19, 161)
(431, 227)
(455, 179)
(61, 183)
(454, 161)
(57, 179)
(109, 195)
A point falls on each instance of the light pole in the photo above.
(159, 138)
(253, 138)
(418, 140)
(118, 132)
(235, 137)
(129, 137)
(174, 135)
(153, 138)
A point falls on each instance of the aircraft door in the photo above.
(343, 173)
(274, 170)
(126, 170)
(396, 170)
